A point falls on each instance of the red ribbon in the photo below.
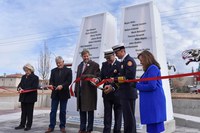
(107, 80)
(3, 88)
(75, 81)
(71, 89)
(136, 80)
(23, 91)
(26, 91)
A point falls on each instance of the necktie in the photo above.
(84, 66)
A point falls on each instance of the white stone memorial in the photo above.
(141, 30)
(98, 32)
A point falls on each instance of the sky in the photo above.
(25, 25)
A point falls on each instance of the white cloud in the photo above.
(180, 30)
(37, 21)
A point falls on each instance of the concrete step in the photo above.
(187, 120)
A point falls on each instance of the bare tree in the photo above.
(44, 64)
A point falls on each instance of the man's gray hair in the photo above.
(59, 58)
(85, 51)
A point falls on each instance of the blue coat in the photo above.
(152, 97)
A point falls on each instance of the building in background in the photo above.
(182, 84)
(186, 84)
(10, 81)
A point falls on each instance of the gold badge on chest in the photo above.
(115, 71)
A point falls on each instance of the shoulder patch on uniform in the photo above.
(129, 63)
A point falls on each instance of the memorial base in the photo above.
(170, 127)
(74, 121)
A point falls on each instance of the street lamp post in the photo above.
(4, 81)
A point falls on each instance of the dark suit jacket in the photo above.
(87, 93)
(108, 71)
(28, 83)
(128, 70)
(61, 76)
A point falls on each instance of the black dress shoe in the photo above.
(27, 128)
(19, 127)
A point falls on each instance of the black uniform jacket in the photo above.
(110, 71)
(128, 70)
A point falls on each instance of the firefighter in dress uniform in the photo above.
(110, 68)
(127, 91)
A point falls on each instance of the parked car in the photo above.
(194, 88)
(42, 87)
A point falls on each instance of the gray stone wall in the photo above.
(186, 106)
(8, 103)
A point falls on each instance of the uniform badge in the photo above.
(115, 71)
(122, 66)
(129, 63)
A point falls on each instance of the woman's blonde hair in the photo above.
(148, 59)
(29, 66)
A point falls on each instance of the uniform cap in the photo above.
(108, 53)
(118, 47)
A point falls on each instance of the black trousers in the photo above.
(128, 108)
(86, 117)
(110, 104)
(26, 114)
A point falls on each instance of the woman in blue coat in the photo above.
(152, 97)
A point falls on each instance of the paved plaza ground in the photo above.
(10, 119)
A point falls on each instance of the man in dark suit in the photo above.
(128, 93)
(60, 79)
(86, 92)
(111, 100)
